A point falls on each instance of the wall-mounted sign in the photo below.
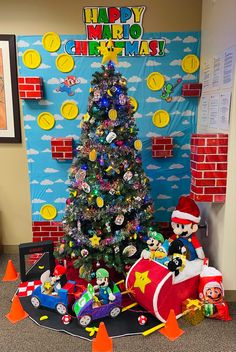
(121, 24)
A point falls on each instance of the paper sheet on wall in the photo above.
(228, 67)
(204, 117)
(207, 72)
(224, 110)
(217, 71)
(214, 111)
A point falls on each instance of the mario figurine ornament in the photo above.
(154, 243)
(105, 287)
(184, 221)
(211, 292)
(59, 277)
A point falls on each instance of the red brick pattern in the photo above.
(192, 90)
(162, 147)
(47, 230)
(208, 163)
(62, 148)
(30, 87)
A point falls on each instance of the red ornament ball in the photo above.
(142, 320)
(66, 319)
(127, 267)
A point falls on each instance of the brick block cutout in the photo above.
(47, 230)
(62, 148)
(192, 90)
(208, 162)
(30, 88)
(162, 147)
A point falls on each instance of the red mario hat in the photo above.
(210, 277)
(59, 270)
(186, 211)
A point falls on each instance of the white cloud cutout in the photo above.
(44, 66)
(178, 99)
(134, 79)
(45, 102)
(176, 76)
(54, 54)
(67, 182)
(59, 127)
(38, 42)
(96, 64)
(177, 134)
(31, 161)
(59, 181)
(152, 100)
(46, 182)
(177, 39)
(167, 40)
(163, 196)
(61, 212)
(47, 150)
(137, 115)
(82, 80)
(176, 62)
(176, 166)
(176, 146)
(172, 178)
(161, 178)
(189, 77)
(185, 146)
(27, 127)
(152, 134)
(46, 137)
(166, 51)
(175, 187)
(185, 122)
(54, 80)
(58, 117)
(186, 177)
(167, 78)
(29, 118)
(36, 213)
(78, 90)
(161, 209)
(150, 178)
(132, 89)
(187, 50)
(190, 39)
(74, 136)
(124, 64)
(176, 112)
(153, 63)
(49, 190)
(60, 200)
(170, 209)
(20, 53)
(32, 152)
(22, 44)
(34, 182)
(185, 155)
(152, 167)
(36, 201)
(188, 113)
(50, 170)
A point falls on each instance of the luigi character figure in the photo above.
(154, 242)
(105, 287)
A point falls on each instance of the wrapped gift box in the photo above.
(193, 311)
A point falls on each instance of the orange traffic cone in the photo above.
(17, 312)
(102, 342)
(171, 329)
(10, 273)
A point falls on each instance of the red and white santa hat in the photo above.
(210, 277)
(186, 211)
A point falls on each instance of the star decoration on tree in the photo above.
(95, 240)
(109, 52)
(141, 280)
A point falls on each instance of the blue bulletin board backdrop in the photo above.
(170, 178)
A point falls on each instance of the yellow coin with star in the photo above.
(161, 118)
(190, 63)
(138, 144)
(51, 41)
(69, 110)
(31, 58)
(46, 121)
(48, 211)
(155, 81)
(134, 103)
(65, 62)
(112, 114)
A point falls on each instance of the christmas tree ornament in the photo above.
(116, 249)
(100, 202)
(85, 187)
(122, 99)
(138, 144)
(129, 250)
(109, 52)
(110, 137)
(119, 219)
(96, 94)
(80, 174)
(95, 240)
(78, 225)
(123, 82)
(93, 155)
(98, 264)
(112, 114)
(71, 244)
(84, 252)
(86, 117)
(127, 176)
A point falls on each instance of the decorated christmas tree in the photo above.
(109, 211)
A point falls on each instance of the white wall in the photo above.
(219, 33)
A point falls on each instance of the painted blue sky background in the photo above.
(170, 178)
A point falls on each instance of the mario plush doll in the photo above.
(59, 277)
(184, 221)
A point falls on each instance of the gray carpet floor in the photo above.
(26, 336)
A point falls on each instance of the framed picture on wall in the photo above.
(10, 131)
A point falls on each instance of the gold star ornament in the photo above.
(109, 52)
(141, 280)
(95, 240)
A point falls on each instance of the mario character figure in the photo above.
(69, 82)
(154, 243)
(105, 287)
(161, 253)
(59, 278)
(184, 221)
(211, 292)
